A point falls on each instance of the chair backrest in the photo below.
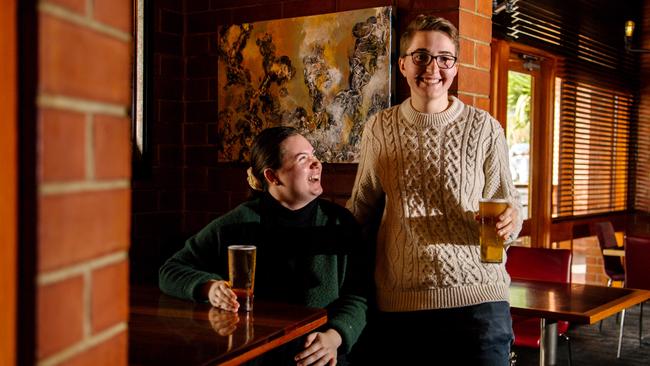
(553, 265)
(637, 263)
(607, 240)
(606, 235)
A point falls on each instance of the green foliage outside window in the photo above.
(519, 97)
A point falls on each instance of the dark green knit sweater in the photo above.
(313, 256)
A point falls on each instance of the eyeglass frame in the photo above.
(433, 57)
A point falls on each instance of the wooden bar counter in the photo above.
(167, 331)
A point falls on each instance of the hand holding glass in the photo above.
(241, 268)
(491, 242)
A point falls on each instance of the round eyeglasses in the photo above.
(422, 58)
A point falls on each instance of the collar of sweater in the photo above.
(275, 213)
(431, 119)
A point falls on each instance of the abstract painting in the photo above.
(324, 75)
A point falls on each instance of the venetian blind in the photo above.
(598, 96)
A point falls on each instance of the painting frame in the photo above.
(141, 103)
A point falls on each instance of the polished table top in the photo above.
(167, 331)
(619, 252)
(577, 303)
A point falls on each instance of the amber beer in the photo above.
(241, 269)
(491, 242)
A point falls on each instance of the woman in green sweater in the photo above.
(309, 250)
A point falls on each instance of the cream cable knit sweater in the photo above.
(432, 169)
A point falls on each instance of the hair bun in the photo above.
(253, 181)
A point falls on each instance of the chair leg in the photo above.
(600, 324)
(512, 359)
(568, 346)
(641, 325)
(620, 334)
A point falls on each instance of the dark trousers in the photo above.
(472, 335)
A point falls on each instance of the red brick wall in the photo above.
(588, 260)
(188, 188)
(8, 184)
(475, 26)
(83, 174)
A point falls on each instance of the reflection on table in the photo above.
(576, 303)
(167, 331)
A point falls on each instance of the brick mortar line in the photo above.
(89, 148)
(86, 21)
(81, 105)
(477, 41)
(474, 94)
(59, 275)
(82, 186)
(87, 304)
(83, 345)
(90, 8)
(474, 11)
(478, 14)
(470, 66)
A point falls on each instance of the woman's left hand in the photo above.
(506, 223)
(320, 349)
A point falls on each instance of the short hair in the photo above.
(425, 23)
(266, 151)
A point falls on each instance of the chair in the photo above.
(552, 265)
(637, 275)
(613, 266)
(607, 240)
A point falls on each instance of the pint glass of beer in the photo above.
(241, 268)
(491, 242)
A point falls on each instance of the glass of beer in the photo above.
(241, 268)
(491, 242)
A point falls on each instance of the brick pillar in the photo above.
(83, 158)
(473, 18)
(475, 28)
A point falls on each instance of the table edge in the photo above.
(276, 342)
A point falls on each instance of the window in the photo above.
(589, 102)
(593, 155)
(518, 123)
(522, 85)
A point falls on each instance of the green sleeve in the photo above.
(199, 261)
(347, 315)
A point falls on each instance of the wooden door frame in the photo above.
(8, 183)
(541, 184)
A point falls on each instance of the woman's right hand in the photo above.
(221, 296)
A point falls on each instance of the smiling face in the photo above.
(297, 181)
(429, 84)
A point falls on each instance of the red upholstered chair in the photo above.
(552, 265)
(637, 275)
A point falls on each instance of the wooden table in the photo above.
(167, 331)
(576, 303)
(620, 252)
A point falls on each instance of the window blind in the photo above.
(598, 97)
